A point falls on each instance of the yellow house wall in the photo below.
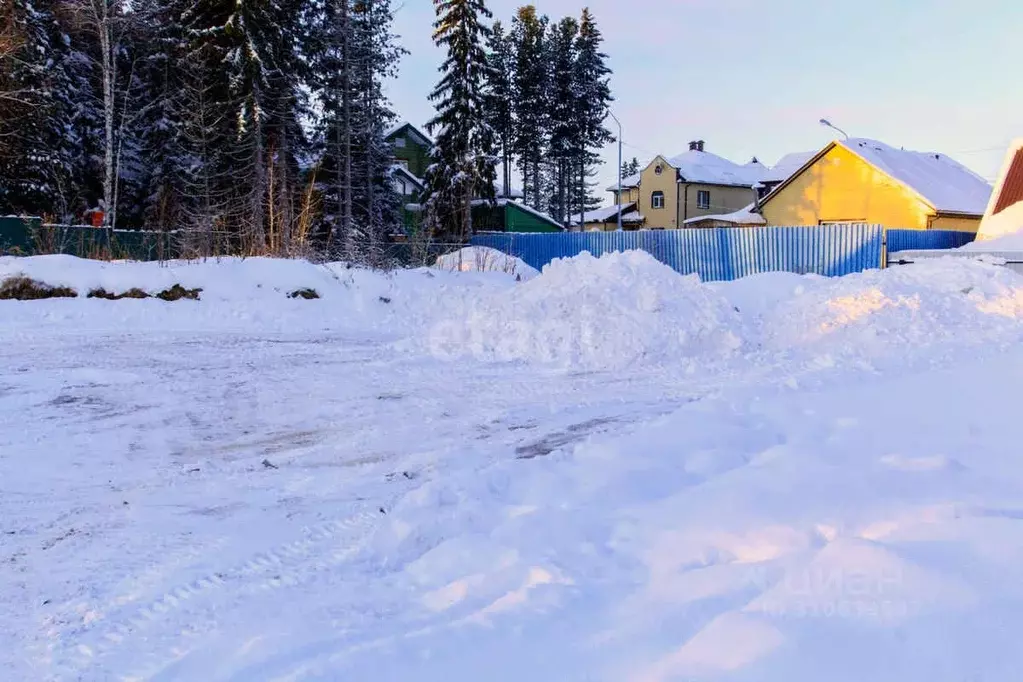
(629, 195)
(957, 223)
(722, 200)
(842, 187)
(650, 182)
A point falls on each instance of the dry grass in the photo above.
(178, 292)
(106, 295)
(307, 294)
(20, 288)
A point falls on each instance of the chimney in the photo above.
(694, 146)
(699, 146)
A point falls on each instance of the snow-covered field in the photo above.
(605, 473)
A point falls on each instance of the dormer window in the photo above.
(657, 200)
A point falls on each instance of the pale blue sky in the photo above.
(753, 77)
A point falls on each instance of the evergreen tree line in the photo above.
(251, 127)
(531, 99)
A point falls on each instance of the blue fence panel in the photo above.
(716, 253)
(909, 240)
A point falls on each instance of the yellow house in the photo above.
(865, 181)
(668, 192)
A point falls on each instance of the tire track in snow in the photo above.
(283, 566)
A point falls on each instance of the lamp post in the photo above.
(828, 124)
(619, 198)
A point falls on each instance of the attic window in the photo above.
(657, 200)
(399, 142)
(658, 170)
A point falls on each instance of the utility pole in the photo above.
(611, 114)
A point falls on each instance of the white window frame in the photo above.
(700, 194)
(657, 199)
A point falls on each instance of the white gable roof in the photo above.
(602, 215)
(711, 169)
(787, 165)
(947, 185)
(419, 133)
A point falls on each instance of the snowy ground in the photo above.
(608, 472)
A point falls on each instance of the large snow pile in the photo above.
(486, 259)
(617, 310)
(883, 316)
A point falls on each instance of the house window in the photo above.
(658, 170)
(703, 199)
(657, 200)
(399, 142)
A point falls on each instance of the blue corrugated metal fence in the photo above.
(911, 240)
(714, 253)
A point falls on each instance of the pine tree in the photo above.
(354, 52)
(42, 88)
(157, 130)
(630, 168)
(565, 132)
(500, 97)
(463, 160)
(593, 98)
(531, 102)
(253, 99)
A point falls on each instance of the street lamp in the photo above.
(611, 114)
(828, 124)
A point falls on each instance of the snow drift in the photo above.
(486, 259)
(617, 310)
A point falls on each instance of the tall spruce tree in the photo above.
(44, 96)
(354, 52)
(500, 98)
(630, 168)
(247, 52)
(592, 102)
(532, 121)
(565, 129)
(463, 159)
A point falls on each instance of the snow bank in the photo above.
(880, 316)
(244, 295)
(614, 311)
(486, 259)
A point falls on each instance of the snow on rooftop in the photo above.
(602, 215)
(744, 216)
(787, 165)
(711, 169)
(946, 184)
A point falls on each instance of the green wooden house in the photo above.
(412, 157)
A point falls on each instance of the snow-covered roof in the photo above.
(706, 168)
(630, 218)
(944, 183)
(787, 165)
(711, 169)
(397, 128)
(744, 216)
(602, 215)
(402, 170)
